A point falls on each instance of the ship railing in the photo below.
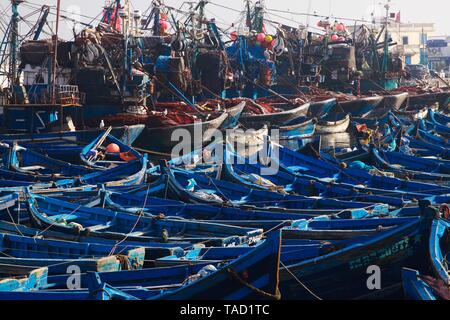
(70, 98)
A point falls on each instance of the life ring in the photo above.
(444, 210)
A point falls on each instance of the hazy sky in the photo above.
(437, 11)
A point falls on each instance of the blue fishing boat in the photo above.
(333, 123)
(423, 134)
(107, 151)
(22, 279)
(195, 188)
(300, 128)
(403, 166)
(57, 215)
(130, 173)
(67, 145)
(17, 246)
(320, 108)
(45, 168)
(96, 291)
(252, 275)
(265, 219)
(344, 184)
(411, 167)
(430, 98)
(439, 123)
(358, 107)
(418, 286)
(414, 287)
(234, 114)
(327, 167)
(164, 132)
(342, 273)
(286, 112)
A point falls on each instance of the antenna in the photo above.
(55, 52)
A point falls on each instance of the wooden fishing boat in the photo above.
(256, 218)
(333, 123)
(412, 114)
(299, 165)
(395, 101)
(128, 174)
(374, 120)
(261, 268)
(414, 287)
(256, 176)
(153, 249)
(223, 280)
(224, 193)
(434, 287)
(199, 133)
(300, 128)
(438, 249)
(359, 107)
(66, 146)
(401, 165)
(8, 201)
(440, 123)
(42, 167)
(97, 291)
(320, 108)
(384, 162)
(426, 149)
(234, 115)
(422, 133)
(418, 164)
(106, 151)
(16, 246)
(429, 99)
(342, 273)
(52, 214)
(22, 278)
(211, 108)
(282, 114)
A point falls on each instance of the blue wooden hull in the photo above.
(235, 195)
(343, 274)
(57, 215)
(66, 146)
(415, 288)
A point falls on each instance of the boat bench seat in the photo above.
(137, 234)
(66, 217)
(32, 168)
(297, 169)
(99, 227)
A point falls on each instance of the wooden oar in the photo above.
(100, 141)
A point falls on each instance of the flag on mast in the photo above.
(397, 17)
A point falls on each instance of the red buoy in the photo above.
(112, 148)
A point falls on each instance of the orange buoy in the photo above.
(112, 148)
(127, 156)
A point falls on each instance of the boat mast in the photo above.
(258, 21)
(384, 65)
(55, 52)
(14, 42)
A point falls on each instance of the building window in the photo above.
(408, 59)
(405, 40)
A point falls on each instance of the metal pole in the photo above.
(55, 52)
(14, 41)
